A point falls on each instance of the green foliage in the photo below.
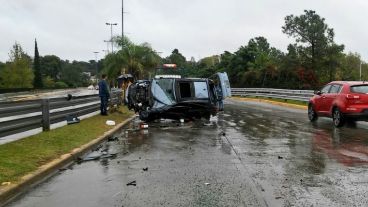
(60, 84)
(37, 81)
(72, 75)
(48, 82)
(138, 60)
(176, 58)
(17, 73)
(51, 66)
(315, 43)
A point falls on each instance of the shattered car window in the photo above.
(201, 90)
(163, 90)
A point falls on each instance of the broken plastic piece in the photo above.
(207, 183)
(72, 120)
(112, 139)
(110, 123)
(5, 183)
(143, 126)
(133, 183)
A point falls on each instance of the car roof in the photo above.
(350, 82)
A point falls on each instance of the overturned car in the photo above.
(173, 97)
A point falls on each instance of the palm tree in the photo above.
(138, 60)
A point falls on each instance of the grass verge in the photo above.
(26, 155)
(301, 103)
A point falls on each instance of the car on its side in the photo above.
(174, 97)
(342, 101)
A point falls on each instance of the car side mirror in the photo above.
(318, 93)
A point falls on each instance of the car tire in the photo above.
(312, 115)
(338, 118)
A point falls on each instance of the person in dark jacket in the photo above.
(104, 93)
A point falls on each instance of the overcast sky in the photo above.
(74, 29)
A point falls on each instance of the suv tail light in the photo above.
(349, 96)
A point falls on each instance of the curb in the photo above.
(295, 106)
(9, 193)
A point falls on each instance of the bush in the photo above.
(48, 82)
(61, 84)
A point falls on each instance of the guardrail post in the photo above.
(45, 114)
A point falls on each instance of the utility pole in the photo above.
(112, 42)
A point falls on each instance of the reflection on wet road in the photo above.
(250, 155)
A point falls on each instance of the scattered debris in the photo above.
(278, 197)
(69, 97)
(72, 120)
(133, 183)
(223, 134)
(145, 169)
(143, 125)
(279, 157)
(110, 123)
(5, 183)
(112, 139)
(140, 158)
(62, 169)
(301, 180)
(207, 183)
(208, 124)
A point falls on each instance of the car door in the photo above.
(330, 97)
(319, 100)
(223, 85)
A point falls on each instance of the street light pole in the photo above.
(107, 45)
(360, 71)
(96, 53)
(122, 20)
(112, 42)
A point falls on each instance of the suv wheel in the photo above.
(338, 118)
(312, 115)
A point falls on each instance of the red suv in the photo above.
(341, 100)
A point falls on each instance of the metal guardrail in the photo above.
(298, 95)
(21, 116)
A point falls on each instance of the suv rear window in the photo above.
(359, 89)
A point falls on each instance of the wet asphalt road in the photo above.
(253, 154)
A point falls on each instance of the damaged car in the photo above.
(174, 97)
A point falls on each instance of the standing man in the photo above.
(104, 93)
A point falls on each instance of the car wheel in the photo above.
(338, 118)
(312, 115)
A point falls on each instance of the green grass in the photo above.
(26, 155)
(279, 100)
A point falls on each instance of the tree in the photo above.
(312, 33)
(51, 66)
(176, 58)
(37, 82)
(17, 73)
(315, 43)
(71, 74)
(138, 60)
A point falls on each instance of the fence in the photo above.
(298, 95)
(21, 116)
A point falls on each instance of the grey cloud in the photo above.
(73, 29)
